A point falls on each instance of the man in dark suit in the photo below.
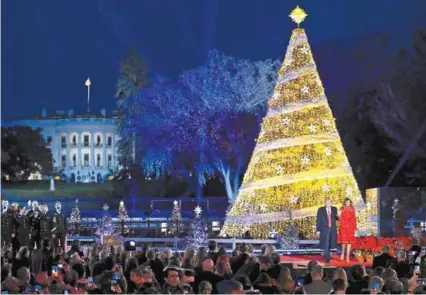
(326, 228)
(384, 259)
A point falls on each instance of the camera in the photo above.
(130, 246)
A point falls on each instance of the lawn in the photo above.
(40, 190)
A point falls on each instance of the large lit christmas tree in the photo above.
(176, 222)
(197, 235)
(75, 219)
(123, 218)
(298, 159)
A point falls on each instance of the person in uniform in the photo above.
(60, 227)
(23, 227)
(4, 208)
(45, 223)
(8, 225)
(34, 217)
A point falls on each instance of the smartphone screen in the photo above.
(299, 282)
(113, 284)
(37, 287)
(90, 280)
(55, 269)
(375, 287)
(117, 276)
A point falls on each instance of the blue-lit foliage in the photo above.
(205, 123)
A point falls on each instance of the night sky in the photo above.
(50, 47)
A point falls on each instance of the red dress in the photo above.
(347, 226)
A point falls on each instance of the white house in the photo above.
(84, 146)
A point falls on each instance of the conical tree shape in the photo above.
(299, 158)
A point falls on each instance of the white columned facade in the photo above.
(68, 161)
(92, 151)
(79, 158)
(104, 157)
(113, 153)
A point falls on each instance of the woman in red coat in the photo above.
(347, 228)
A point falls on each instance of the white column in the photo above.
(56, 151)
(104, 158)
(113, 152)
(68, 158)
(79, 157)
(92, 150)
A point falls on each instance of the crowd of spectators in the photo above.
(115, 270)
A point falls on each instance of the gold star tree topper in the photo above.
(298, 15)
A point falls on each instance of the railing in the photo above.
(175, 242)
(98, 144)
(63, 144)
(159, 228)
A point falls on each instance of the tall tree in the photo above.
(133, 77)
(397, 108)
(27, 152)
(189, 127)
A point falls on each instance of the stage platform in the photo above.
(302, 261)
(298, 264)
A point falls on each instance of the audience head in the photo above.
(311, 265)
(212, 245)
(150, 254)
(401, 256)
(131, 263)
(389, 274)
(230, 287)
(11, 284)
(172, 276)
(339, 286)
(205, 287)
(141, 276)
(317, 272)
(265, 263)
(378, 271)
(23, 274)
(393, 286)
(376, 281)
(208, 265)
(285, 283)
(270, 249)
(340, 273)
(109, 262)
(385, 248)
(357, 272)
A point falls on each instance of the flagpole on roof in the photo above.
(88, 83)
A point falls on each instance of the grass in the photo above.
(41, 190)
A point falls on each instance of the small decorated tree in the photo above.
(176, 224)
(75, 219)
(289, 240)
(123, 218)
(107, 227)
(197, 236)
